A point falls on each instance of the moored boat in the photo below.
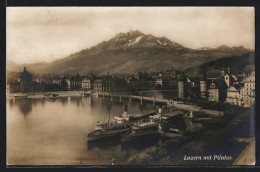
(144, 128)
(85, 93)
(95, 94)
(111, 129)
(20, 97)
(51, 96)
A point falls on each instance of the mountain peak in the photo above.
(130, 33)
(137, 39)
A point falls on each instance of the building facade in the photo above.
(233, 96)
(213, 92)
(97, 86)
(181, 89)
(87, 84)
(249, 90)
(203, 89)
(141, 84)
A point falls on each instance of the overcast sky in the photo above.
(36, 34)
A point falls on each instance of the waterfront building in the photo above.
(106, 85)
(56, 81)
(87, 84)
(141, 84)
(68, 80)
(118, 84)
(97, 86)
(76, 83)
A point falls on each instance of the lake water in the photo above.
(55, 132)
(43, 132)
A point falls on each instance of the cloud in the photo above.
(49, 33)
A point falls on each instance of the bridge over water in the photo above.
(169, 103)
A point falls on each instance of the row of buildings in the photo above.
(25, 82)
(224, 87)
(227, 87)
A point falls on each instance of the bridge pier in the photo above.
(153, 100)
(111, 98)
(130, 99)
(141, 100)
(120, 99)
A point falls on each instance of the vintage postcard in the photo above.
(161, 86)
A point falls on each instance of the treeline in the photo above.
(34, 87)
(238, 63)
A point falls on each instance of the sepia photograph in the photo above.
(130, 86)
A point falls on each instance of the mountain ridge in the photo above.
(131, 52)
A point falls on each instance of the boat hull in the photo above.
(20, 97)
(104, 135)
(140, 135)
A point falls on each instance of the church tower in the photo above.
(227, 79)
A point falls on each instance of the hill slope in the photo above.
(243, 63)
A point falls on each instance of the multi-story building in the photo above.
(213, 92)
(107, 85)
(141, 84)
(249, 90)
(68, 80)
(56, 81)
(203, 89)
(234, 93)
(87, 84)
(181, 90)
(76, 83)
(97, 86)
(159, 82)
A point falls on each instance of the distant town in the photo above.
(222, 86)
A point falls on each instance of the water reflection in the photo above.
(139, 144)
(105, 144)
(64, 101)
(76, 100)
(25, 106)
(56, 132)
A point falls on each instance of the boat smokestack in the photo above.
(125, 108)
(125, 112)
(160, 110)
(191, 114)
